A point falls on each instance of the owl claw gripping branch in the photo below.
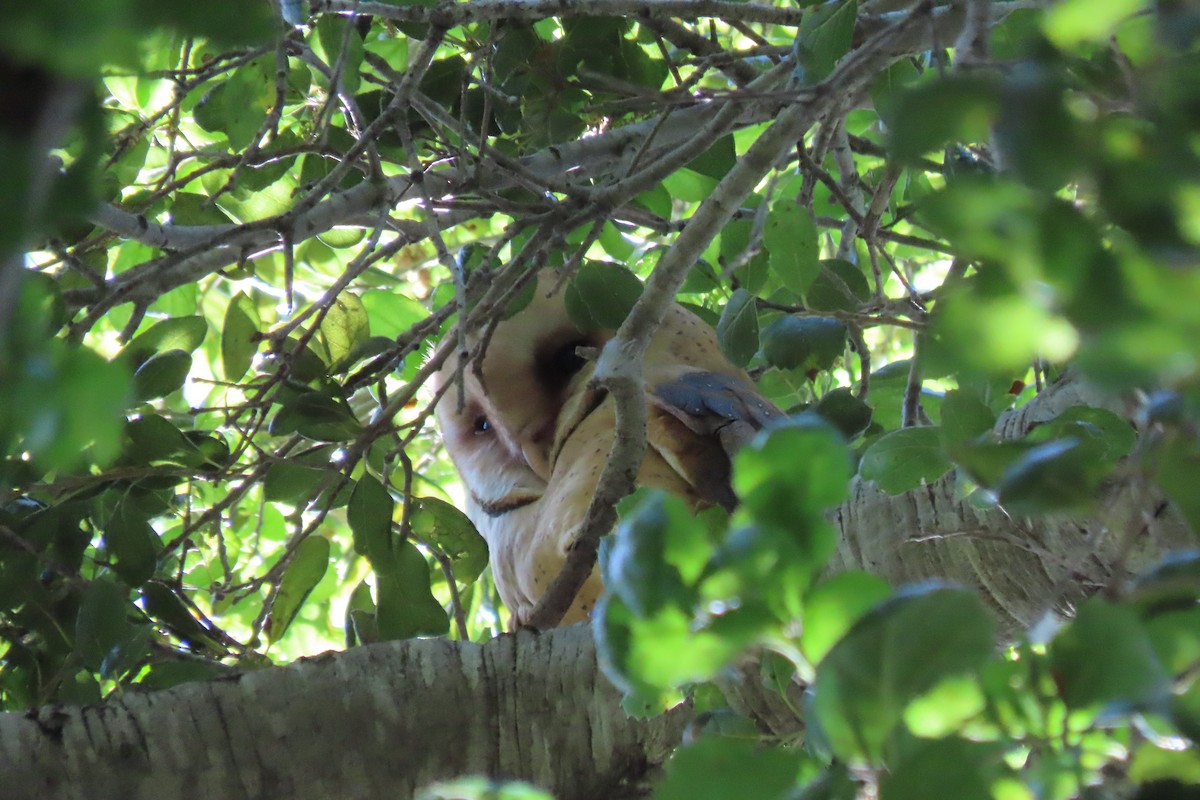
(531, 438)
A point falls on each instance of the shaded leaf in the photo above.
(1104, 656)
(106, 640)
(824, 37)
(718, 768)
(834, 605)
(601, 295)
(131, 543)
(406, 605)
(176, 333)
(806, 343)
(305, 571)
(905, 459)
(161, 374)
(370, 517)
(737, 330)
(790, 236)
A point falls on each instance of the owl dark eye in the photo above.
(481, 424)
(558, 366)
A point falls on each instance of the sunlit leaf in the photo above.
(893, 655)
(239, 336)
(440, 524)
(345, 327)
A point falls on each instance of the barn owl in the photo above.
(531, 438)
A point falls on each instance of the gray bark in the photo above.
(1024, 568)
(372, 722)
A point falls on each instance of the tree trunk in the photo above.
(1023, 568)
(372, 722)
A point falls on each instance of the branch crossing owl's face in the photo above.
(530, 438)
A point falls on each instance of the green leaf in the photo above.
(239, 336)
(905, 459)
(392, 314)
(176, 333)
(834, 605)
(305, 571)
(316, 416)
(839, 286)
(964, 418)
(986, 462)
(345, 328)
(1056, 476)
(825, 36)
(893, 655)
(737, 330)
(1172, 584)
(1037, 137)
(615, 244)
(370, 517)
(635, 566)
(161, 603)
(1072, 22)
(405, 601)
(106, 640)
(437, 523)
(342, 236)
(238, 105)
(716, 160)
(64, 405)
(480, 788)
(152, 438)
(1152, 763)
(1112, 436)
(718, 768)
(805, 343)
(337, 42)
(786, 479)
(161, 374)
(601, 295)
(951, 767)
(228, 25)
(651, 656)
(790, 236)
(844, 411)
(794, 470)
(1104, 657)
(955, 108)
(131, 543)
(292, 483)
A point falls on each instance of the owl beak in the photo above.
(534, 442)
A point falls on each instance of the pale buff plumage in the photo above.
(531, 440)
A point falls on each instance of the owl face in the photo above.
(531, 369)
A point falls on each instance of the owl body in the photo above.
(532, 438)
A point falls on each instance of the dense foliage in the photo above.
(233, 234)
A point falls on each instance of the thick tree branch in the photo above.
(376, 721)
(484, 10)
